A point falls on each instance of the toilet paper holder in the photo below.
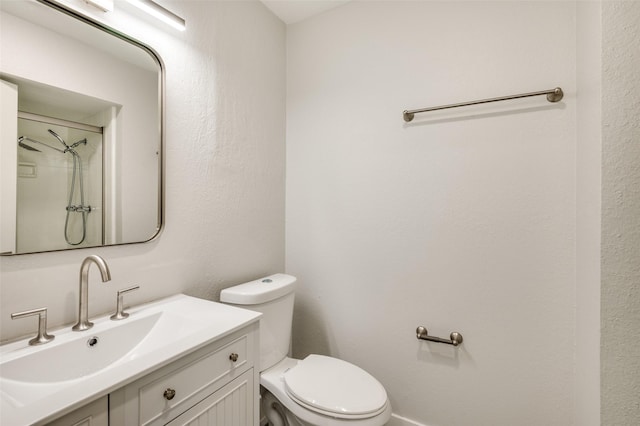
(423, 334)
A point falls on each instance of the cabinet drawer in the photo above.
(156, 400)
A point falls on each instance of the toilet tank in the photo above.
(273, 296)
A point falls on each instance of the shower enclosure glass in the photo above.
(60, 181)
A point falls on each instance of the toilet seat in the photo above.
(272, 381)
(335, 388)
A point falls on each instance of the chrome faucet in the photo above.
(83, 305)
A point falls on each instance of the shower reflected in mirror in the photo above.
(60, 172)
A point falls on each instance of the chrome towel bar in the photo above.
(553, 95)
(423, 334)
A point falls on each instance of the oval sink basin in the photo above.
(38, 383)
(87, 354)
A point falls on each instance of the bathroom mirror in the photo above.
(81, 148)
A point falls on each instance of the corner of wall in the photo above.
(620, 294)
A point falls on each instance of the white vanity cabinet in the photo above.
(214, 385)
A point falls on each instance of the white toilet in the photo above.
(315, 391)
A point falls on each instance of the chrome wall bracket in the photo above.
(423, 334)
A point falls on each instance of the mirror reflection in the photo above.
(58, 166)
(81, 133)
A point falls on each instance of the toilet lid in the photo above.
(335, 387)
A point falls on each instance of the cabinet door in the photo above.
(93, 414)
(231, 405)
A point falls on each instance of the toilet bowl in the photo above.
(340, 394)
(316, 391)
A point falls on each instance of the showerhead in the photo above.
(25, 146)
(23, 139)
(59, 138)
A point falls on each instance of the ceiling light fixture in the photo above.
(154, 9)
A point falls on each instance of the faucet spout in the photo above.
(83, 305)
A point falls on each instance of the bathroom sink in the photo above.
(81, 355)
(38, 382)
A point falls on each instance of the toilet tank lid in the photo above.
(259, 291)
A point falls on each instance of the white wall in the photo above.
(460, 221)
(620, 362)
(224, 171)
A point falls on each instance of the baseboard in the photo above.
(402, 421)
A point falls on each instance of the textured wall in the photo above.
(460, 221)
(224, 170)
(620, 359)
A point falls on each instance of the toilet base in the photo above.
(275, 412)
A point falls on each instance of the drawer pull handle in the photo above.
(233, 357)
(169, 394)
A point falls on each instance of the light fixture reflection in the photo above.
(160, 12)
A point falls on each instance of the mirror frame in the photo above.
(161, 116)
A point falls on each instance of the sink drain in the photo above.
(92, 342)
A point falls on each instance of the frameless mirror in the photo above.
(81, 127)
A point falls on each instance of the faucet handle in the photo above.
(120, 314)
(42, 336)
